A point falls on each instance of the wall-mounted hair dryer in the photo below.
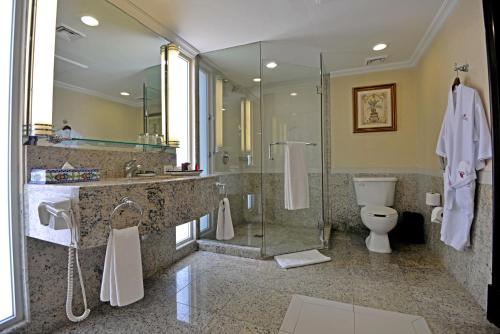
(57, 214)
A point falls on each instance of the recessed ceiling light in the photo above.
(223, 109)
(271, 64)
(125, 93)
(379, 47)
(257, 79)
(90, 21)
(294, 94)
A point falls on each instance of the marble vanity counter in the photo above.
(166, 201)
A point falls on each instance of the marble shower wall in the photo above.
(472, 267)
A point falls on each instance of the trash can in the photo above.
(410, 229)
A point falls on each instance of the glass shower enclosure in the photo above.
(253, 100)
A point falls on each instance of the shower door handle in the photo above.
(270, 153)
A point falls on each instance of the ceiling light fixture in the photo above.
(124, 93)
(294, 94)
(257, 79)
(271, 65)
(379, 47)
(90, 21)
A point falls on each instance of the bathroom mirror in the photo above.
(106, 74)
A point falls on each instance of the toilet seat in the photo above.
(378, 211)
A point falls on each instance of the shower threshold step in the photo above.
(221, 247)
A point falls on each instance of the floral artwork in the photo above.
(374, 108)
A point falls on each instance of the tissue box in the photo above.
(56, 176)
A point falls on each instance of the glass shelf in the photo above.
(79, 142)
(121, 143)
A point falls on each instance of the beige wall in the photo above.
(422, 94)
(393, 149)
(461, 40)
(94, 117)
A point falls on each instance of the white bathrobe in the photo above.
(465, 142)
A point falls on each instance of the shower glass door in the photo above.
(291, 112)
(229, 97)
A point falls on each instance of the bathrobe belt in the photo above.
(451, 188)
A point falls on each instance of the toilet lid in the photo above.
(379, 211)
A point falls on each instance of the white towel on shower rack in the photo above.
(225, 229)
(296, 177)
(122, 277)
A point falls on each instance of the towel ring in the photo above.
(126, 202)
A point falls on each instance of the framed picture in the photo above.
(374, 108)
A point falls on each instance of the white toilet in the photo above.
(376, 194)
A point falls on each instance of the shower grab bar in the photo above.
(126, 202)
(283, 143)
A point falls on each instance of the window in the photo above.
(204, 223)
(184, 234)
(11, 283)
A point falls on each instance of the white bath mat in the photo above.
(300, 259)
(307, 315)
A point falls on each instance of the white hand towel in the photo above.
(225, 229)
(228, 221)
(296, 177)
(122, 278)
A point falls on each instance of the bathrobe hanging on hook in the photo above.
(465, 142)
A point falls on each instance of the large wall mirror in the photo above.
(107, 74)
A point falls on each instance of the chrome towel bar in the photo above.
(283, 143)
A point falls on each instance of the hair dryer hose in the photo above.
(69, 297)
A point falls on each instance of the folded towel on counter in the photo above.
(122, 278)
(225, 229)
(296, 177)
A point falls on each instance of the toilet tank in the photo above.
(375, 190)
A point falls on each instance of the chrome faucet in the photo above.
(131, 168)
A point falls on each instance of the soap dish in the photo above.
(183, 172)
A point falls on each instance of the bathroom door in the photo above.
(291, 102)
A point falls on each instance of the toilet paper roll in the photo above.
(433, 199)
(437, 215)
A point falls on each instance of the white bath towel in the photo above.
(122, 278)
(296, 177)
(225, 229)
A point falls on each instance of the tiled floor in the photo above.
(214, 293)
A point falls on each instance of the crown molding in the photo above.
(91, 92)
(129, 8)
(436, 24)
(371, 69)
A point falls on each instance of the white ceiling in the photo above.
(345, 30)
(117, 52)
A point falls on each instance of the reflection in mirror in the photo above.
(235, 93)
(107, 75)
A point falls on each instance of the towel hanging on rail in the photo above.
(122, 282)
(296, 178)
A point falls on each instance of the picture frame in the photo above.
(374, 108)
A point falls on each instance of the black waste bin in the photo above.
(410, 229)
